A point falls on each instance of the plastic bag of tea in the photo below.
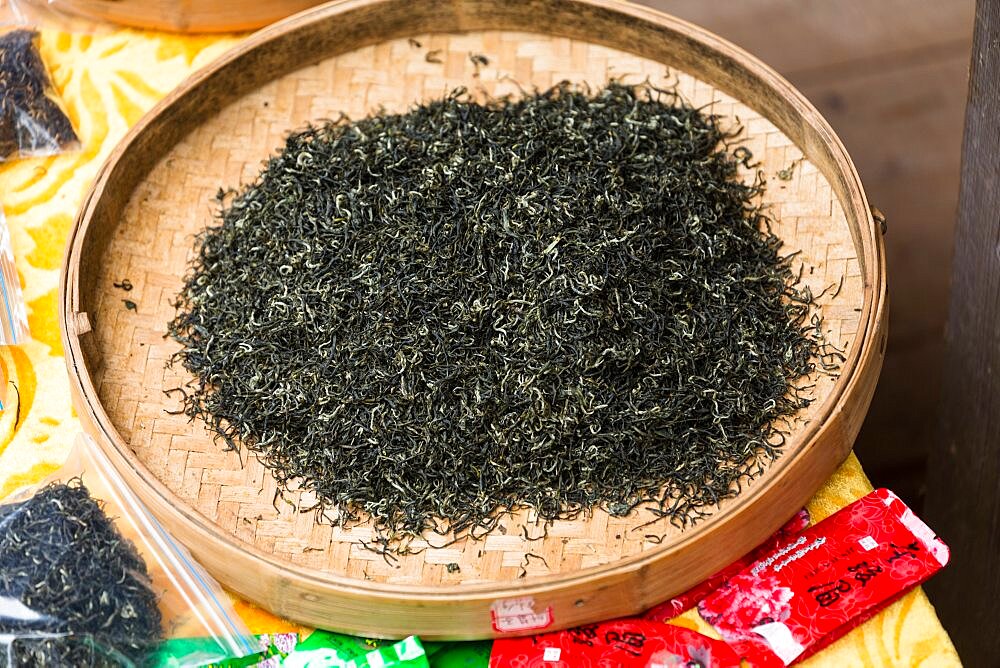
(33, 121)
(89, 578)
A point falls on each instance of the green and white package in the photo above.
(325, 649)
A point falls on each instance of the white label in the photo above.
(920, 531)
(779, 638)
(868, 543)
(518, 614)
(551, 654)
(923, 533)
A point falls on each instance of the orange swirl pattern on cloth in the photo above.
(108, 80)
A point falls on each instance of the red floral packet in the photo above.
(683, 602)
(825, 581)
(621, 643)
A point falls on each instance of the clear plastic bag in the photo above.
(33, 122)
(13, 315)
(89, 578)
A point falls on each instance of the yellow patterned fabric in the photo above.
(108, 80)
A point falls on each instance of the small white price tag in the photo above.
(519, 614)
(868, 543)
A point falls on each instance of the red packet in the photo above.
(825, 581)
(683, 602)
(621, 643)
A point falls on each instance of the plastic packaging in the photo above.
(33, 121)
(326, 649)
(89, 578)
(3, 387)
(270, 650)
(815, 586)
(620, 643)
(460, 654)
(683, 602)
(13, 315)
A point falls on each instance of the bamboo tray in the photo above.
(155, 193)
(185, 15)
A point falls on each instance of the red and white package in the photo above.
(621, 643)
(825, 581)
(683, 602)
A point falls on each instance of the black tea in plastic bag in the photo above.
(73, 590)
(32, 122)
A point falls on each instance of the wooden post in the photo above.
(963, 495)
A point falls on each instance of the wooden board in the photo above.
(964, 472)
(156, 192)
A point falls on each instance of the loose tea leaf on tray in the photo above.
(561, 301)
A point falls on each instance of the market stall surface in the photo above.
(108, 79)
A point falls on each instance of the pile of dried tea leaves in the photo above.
(560, 301)
(74, 591)
(31, 121)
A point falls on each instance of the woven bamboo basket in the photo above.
(154, 193)
(185, 15)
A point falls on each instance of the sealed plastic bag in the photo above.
(812, 587)
(619, 643)
(681, 603)
(460, 654)
(32, 119)
(13, 315)
(270, 651)
(89, 578)
(326, 649)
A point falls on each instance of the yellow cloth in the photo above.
(108, 80)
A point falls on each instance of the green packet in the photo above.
(461, 654)
(185, 652)
(335, 649)
(325, 649)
